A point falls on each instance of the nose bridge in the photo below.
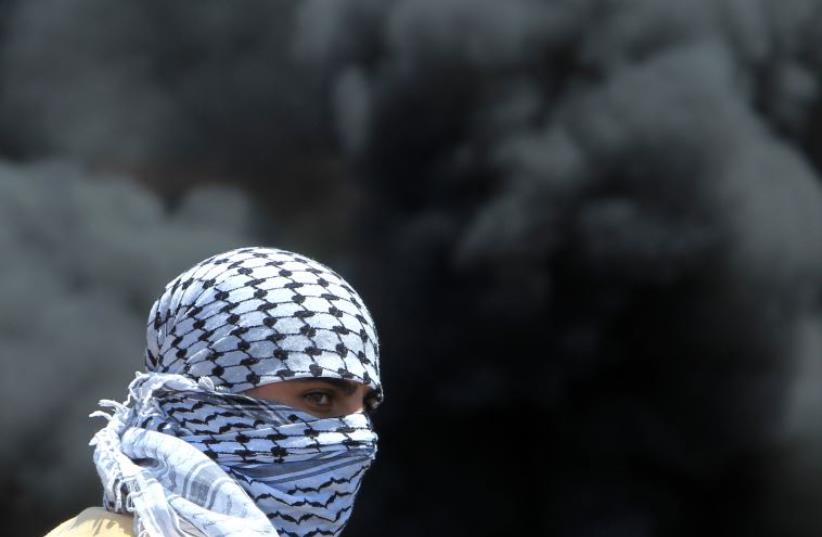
(354, 402)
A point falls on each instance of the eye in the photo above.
(318, 398)
(371, 402)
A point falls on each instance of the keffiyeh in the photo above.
(188, 454)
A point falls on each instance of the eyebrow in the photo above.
(347, 386)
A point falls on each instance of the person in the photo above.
(253, 415)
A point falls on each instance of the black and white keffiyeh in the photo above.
(189, 455)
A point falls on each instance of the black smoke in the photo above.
(128, 130)
(156, 84)
(590, 233)
(84, 257)
(596, 239)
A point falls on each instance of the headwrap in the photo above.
(189, 455)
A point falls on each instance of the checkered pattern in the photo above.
(191, 461)
(190, 455)
(253, 316)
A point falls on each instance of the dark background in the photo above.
(589, 231)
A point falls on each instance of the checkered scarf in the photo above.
(189, 455)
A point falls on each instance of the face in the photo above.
(320, 397)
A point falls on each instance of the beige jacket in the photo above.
(95, 522)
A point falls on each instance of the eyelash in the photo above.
(309, 394)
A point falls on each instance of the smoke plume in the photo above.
(590, 233)
(85, 255)
(159, 87)
(602, 239)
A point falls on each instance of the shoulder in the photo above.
(95, 522)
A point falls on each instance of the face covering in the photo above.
(189, 455)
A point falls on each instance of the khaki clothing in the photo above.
(95, 522)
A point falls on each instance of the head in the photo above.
(259, 365)
(270, 324)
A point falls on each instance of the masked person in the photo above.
(252, 416)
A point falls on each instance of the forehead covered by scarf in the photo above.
(252, 316)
